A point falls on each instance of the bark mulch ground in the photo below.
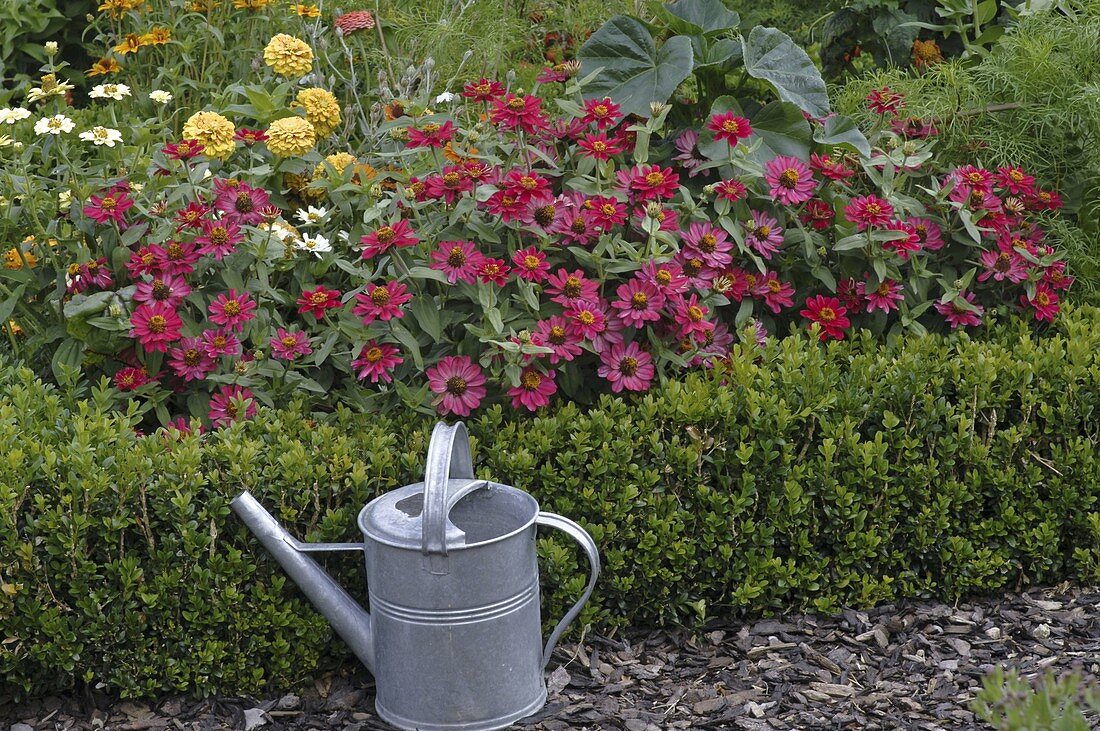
(905, 666)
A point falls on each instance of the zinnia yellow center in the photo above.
(530, 380)
(318, 298)
(456, 386)
(191, 357)
(789, 178)
(232, 307)
(373, 354)
(628, 366)
(380, 296)
(586, 318)
(572, 287)
(655, 178)
(695, 314)
(385, 235)
(157, 324)
(557, 335)
(531, 262)
(708, 243)
(827, 314)
(456, 258)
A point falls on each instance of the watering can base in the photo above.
(489, 724)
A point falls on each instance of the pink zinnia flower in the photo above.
(459, 260)
(763, 234)
(219, 342)
(232, 310)
(575, 227)
(884, 297)
(493, 271)
(287, 345)
(958, 315)
(729, 127)
(1044, 200)
(534, 390)
(381, 302)
(1015, 180)
(970, 178)
(506, 205)
(830, 168)
(110, 206)
(829, 314)
(527, 186)
(776, 294)
(250, 136)
(691, 318)
(689, 156)
(565, 287)
(818, 215)
(482, 90)
(639, 302)
(1056, 278)
(626, 367)
(376, 360)
(530, 264)
(219, 237)
(790, 179)
(1044, 303)
(130, 378)
(649, 182)
(381, 239)
(603, 112)
(191, 215)
(884, 101)
(155, 325)
(586, 318)
(189, 360)
(523, 113)
(1001, 264)
(459, 383)
(928, 232)
(162, 288)
(450, 185)
(711, 243)
(176, 257)
(557, 334)
(666, 277)
(143, 261)
(431, 135)
(908, 243)
(230, 404)
(241, 201)
(731, 190)
(606, 211)
(599, 146)
(317, 300)
(868, 210)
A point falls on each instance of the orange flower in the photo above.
(251, 4)
(157, 37)
(450, 154)
(926, 53)
(104, 66)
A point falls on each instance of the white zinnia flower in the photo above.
(311, 215)
(64, 200)
(317, 244)
(56, 125)
(109, 91)
(102, 136)
(160, 96)
(11, 115)
(444, 98)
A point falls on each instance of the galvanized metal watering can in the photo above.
(454, 633)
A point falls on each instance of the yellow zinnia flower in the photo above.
(289, 56)
(322, 110)
(306, 11)
(290, 136)
(14, 259)
(214, 131)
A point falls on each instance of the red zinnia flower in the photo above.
(317, 300)
(250, 136)
(648, 182)
(691, 318)
(431, 134)
(829, 314)
(232, 310)
(729, 127)
(493, 271)
(459, 383)
(219, 342)
(514, 112)
(219, 237)
(534, 390)
(1044, 303)
(606, 212)
(829, 168)
(884, 101)
(482, 90)
(227, 405)
(884, 297)
(191, 215)
(376, 360)
(130, 377)
(818, 215)
(381, 302)
(155, 325)
(731, 190)
(565, 287)
(599, 146)
(162, 288)
(868, 210)
(109, 206)
(381, 239)
(626, 367)
(557, 335)
(183, 150)
(604, 112)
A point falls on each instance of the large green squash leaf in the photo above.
(634, 72)
(841, 130)
(771, 55)
(699, 16)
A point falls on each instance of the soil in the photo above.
(904, 666)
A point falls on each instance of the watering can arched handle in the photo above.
(580, 535)
(448, 458)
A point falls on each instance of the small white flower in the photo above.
(160, 96)
(11, 115)
(343, 236)
(6, 140)
(137, 187)
(311, 215)
(51, 48)
(64, 200)
(317, 244)
(102, 136)
(109, 91)
(58, 124)
(445, 98)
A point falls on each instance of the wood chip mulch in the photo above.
(905, 666)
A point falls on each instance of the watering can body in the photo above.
(453, 637)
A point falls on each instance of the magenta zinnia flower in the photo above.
(603, 112)
(586, 318)
(711, 243)
(515, 112)
(381, 302)
(829, 314)
(459, 260)
(666, 277)
(731, 190)
(232, 310)
(639, 302)
(565, 287)
(790, 179)
(763, 234)
(130, 377)
(155, 325)
(381, 239)
(691, 318)
(599, 146)
(1003, 264)
(176, 257)
(884, 297)
(884, 101)
(162, 288)
(219, 342)
(1044, 303)
(459, 383)
(375, 361)
(534, 390)
(108, 207)
(928, 232)
(729, 127)
(557, 335)
(776, 294)
(649, 182)
(431, 135)
(531, 264)
(287, 345)
(189, 360)
(482, 90)
(958, 315)
(606, 211)
(868, 210)
(627, 367)
(227, 405)
(317, 300)
(240, 200)
(219, 237)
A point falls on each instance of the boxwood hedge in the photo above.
(800, 476)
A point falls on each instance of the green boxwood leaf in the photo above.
(634, 72)
(771, 55)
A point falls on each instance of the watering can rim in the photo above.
(413, 543)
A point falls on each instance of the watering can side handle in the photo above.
(448, 457)
(580, 535)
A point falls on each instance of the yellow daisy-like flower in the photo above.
(14, 259)
(104, 66)
(157, 36)
(213, 131)
(290, 136)
(322, 109)
(251, 4)
(202, 6)
(130, 44)
(289, 56)
(14, 329)
(116, 8)
(306, 11)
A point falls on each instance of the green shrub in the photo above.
(1008, 702)
(800, 477)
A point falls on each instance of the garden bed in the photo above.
(912, 665)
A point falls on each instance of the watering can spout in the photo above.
(347, 618)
